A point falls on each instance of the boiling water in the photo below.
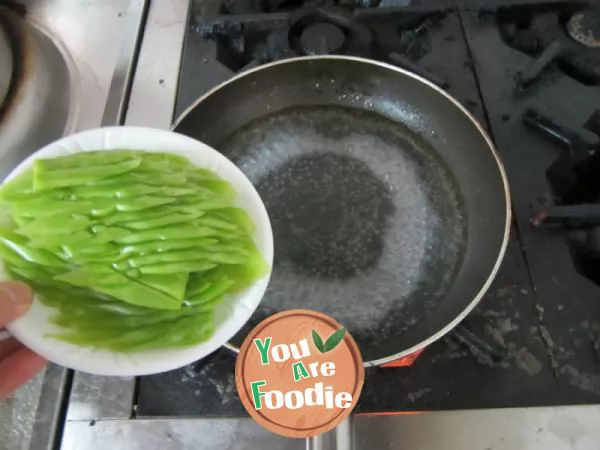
(367, 221)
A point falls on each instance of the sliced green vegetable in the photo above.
(171, 219)
(18, 244)
(46, 177)
(186, 266)
(183, 231)
(167, 245)
(86, 159)
(132, 250)
(117, 285)
(56, 225)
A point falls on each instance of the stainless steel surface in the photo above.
(116, 103)
(96, 397)
(557, 428)
(154, 89)
(43, 103)
(6, 63)
(91, 34)
(151, 103)
(344, 438)
(563, 428)
(317, 443)
(184, 434)
(48, 416)
(17, 415)
(340, 438)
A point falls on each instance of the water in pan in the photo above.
(367, 222)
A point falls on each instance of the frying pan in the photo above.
(389, 205)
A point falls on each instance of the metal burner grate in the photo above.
(568, 37)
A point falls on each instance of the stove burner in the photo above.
(328, 30)
(572, 41)
(572, 176)
(584, 27)
(249, 39)
(322, 38)
(576, 187)
(576, 60)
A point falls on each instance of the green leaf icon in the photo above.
(333, 340)
(318, 341)
(331, 343)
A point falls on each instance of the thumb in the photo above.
(15, 300)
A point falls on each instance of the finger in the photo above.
(17, 369)
(15, 300)
(7, 347)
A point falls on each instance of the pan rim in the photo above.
(505, 238)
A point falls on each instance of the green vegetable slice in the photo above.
(167, 245)
(91, 158)
(186, 266)
(63, 224)
(117, 285)
(45, 177)
(131, 250)
(183, 231)
(18, 244)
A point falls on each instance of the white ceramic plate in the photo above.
(33, 328)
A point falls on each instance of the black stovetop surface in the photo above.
(540, 311)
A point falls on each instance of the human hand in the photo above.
(18, 364)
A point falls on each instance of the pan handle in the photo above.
(344, 434)
(341, 438)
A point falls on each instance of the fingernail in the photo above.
(15, 300)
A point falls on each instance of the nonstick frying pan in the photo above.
(389, 205)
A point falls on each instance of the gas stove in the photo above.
(530, 73)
